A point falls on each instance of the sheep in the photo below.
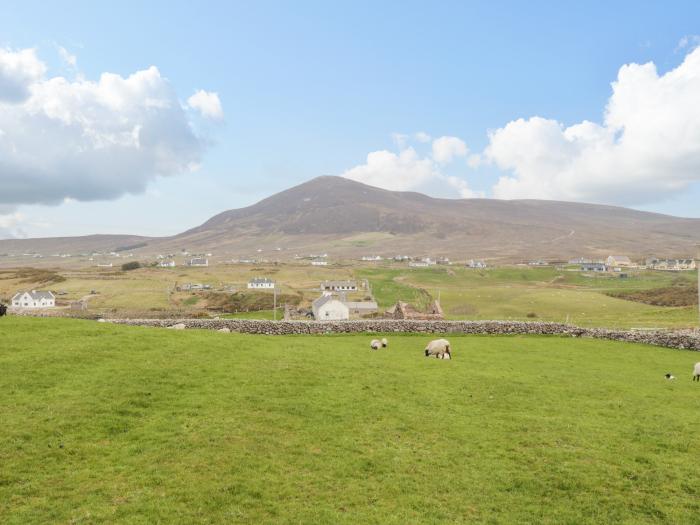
(385, 343)
(376, 344)
(670, 376)
(696, 372)
(178, 326)
(439, 348)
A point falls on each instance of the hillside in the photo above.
(348, 219)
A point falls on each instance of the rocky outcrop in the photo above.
(680, 339)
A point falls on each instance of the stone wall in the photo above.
(680, 339)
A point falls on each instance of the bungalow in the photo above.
(593, 267)
(618, 261)
(167, 264)
(371, 258)
(319, 262)
(472, 263)
(261, 283)
(199, 261)
(418, 264)
(339, 286)
(34, 299)
(328, 308)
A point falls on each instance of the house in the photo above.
(371, 258)
(34, 299)
(472, 263)
(339, 286)
(362, 307)
(199, 261)
(189, 287)
(673, 265)
(618, 261)
(319, 262)
(328, 308)
(580, 260)
(105, 265)
(261, 283)
(593, 267)
(167, 264)
(538, 262)
(418, 264)
(443, 260)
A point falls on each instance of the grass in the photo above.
(104, 423)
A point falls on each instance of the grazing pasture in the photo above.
(104, 423)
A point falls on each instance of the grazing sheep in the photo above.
(670, 376)
(224, 330)
(385, 343)
(376, 344)
(439, 348)
(178, 326)
(696, 372)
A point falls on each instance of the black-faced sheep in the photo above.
(696, 372)
(385, 343)
(439, 348)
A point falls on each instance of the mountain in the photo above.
(348, 219)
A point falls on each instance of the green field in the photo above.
(105, 424)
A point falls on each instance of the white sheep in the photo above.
(696, 372)
(385, 343)
(376, 344)
(439, 348)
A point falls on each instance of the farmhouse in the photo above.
(261, 283)
(167, 264)
(339, 286)
(618, 261)
(199, 261)
(472, 263)
(593, 267)
(34, 299)
(319, 262)
(328, 308)
(674, 265)
(371, 258)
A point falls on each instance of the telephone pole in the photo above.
(274, 302)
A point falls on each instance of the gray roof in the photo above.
(261, 280)
(36, 295)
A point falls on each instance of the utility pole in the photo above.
(274, 302)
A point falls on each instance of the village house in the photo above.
(167, 264)
(319, 262)
(191, 287)
(362, 307)
(339, 286)
(261, 283)
(199, 261)
(34, 299)
(418, 264)
(593, 267)
(329, 308)
(472, 263)
(618, 261)
(673, 265)
(105, 265)
(371, 258)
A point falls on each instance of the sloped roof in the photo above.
(36, 295)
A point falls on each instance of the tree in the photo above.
(133, 265)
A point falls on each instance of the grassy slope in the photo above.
(136, 425)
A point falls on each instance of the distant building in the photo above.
(418, 264)
(167, 264)
(673, 265)
(593, 267)
(538, 262)
(188, 287)
(339, 286)
(328, 308)
(371, 258)
(443, 260)
(362, 307)
(105, 265)
(34, 299)
(580, 260)
(261, 283)
(618, 261)
(473, 263)
(199, 261)
(319, 262)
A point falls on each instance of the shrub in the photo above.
(531, 315)
(133, 265)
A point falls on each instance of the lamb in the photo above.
(696, 372)
(376, 344)
(439, 348)
(385, 343)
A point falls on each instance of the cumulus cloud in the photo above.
(407, 170)
(18, 71)
(208, 104)
(647, 146)
(422, 136)
(87, 140)
(10, 224)
(70, 59)
(447, 148)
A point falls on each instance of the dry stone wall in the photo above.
(680, 339)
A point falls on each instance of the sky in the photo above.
(150, 117)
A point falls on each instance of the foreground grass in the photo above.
(104, 423)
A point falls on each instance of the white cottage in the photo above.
(34, 299)
(328, 308)
(261, 283)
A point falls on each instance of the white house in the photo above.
(328, 308)
(319, 262)
(167, 264)
(199, 261)
(473, 263)
(261, 283)
(339, 286)
(34, 299)
(371, 258)
(618, 260)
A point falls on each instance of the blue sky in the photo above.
(312, 88)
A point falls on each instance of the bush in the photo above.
(133, 265)
(531, 315)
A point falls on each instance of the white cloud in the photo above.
(447, 148)
(67, 57)
(87, 140)
(423, 137)
(207, 103)
(10, 225)
(18, 70)
(688, 41)
(405, 171)
(648, 145)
